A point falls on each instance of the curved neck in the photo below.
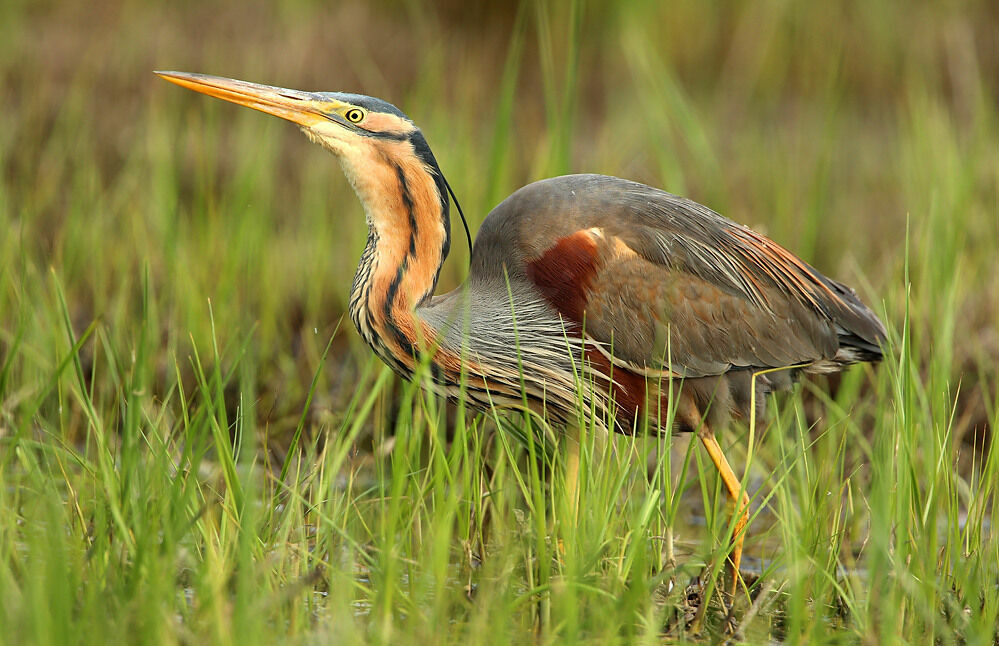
(402, 193)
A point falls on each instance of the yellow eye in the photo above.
(354, 115)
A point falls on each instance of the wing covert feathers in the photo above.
(666, 282)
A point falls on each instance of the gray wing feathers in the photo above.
(712, 294)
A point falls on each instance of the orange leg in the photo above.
(572, 439)
(732, 486)
(735, 492)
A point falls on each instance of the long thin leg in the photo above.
(732, 486)
(735, 493)
(573, 439)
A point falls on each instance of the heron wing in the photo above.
(665, 282)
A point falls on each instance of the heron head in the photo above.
(343, 123)
(375, 142)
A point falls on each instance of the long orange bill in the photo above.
(304, 108)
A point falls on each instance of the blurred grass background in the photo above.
(824, 127)
(862, 136)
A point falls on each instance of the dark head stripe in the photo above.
(422, 150)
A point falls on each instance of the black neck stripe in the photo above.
(393, 288)
(422, 150)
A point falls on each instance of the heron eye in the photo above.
(354, 115)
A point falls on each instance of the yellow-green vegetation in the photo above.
(195, 447)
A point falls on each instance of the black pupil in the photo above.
(354, 115)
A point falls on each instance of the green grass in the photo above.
(196, 448)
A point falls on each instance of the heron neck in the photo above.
(406, 248)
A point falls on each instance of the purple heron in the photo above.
(652, 297)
